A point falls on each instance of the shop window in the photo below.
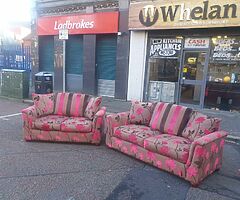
(163, 68)
(223, 79)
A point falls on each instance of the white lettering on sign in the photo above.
(73, 25)
(196, 43)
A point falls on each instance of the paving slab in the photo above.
(195, 193)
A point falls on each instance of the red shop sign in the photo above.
(96, 23)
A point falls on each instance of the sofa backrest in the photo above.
(70, 104)
(170, 118)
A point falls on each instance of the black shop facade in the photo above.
(192, 52)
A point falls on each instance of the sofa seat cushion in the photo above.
(134, 133)
(174, 147)
(77, 124)
(49, 123)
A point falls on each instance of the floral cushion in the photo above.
(44, 103)
(141, 112)
(174, 147)
(170, 118)
(49, 123)
(200, 125)
(134, 133)
(77, 124)
(92, 107)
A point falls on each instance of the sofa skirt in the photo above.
(59, 136)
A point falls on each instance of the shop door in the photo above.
(74, 63)
(193, 78)
(46, 53)
(106, 64)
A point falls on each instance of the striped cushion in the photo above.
(70, 104)
(170, 118)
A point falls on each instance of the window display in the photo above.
(223, 80)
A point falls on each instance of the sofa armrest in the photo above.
(97, 123)
(205, 156)
(29, 115)
(98, 118)
(115, 120)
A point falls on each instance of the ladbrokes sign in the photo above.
(174, 14)
(95, 23)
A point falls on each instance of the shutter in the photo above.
(106, 64)
(74, 63)
(46, 53)
(74, 54)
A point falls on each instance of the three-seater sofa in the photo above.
(171, 137)
(64, 117)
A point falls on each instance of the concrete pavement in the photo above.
(55, 171)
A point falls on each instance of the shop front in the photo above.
(190, 53)
(94, 58)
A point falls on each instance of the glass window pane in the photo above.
(161, 69)
(190, 94)
(193, 65)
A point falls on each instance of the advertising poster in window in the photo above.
(226, 49)
(165, 48)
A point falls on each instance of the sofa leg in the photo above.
(195, 185)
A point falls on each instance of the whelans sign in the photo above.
(177, 14)
(96, 23)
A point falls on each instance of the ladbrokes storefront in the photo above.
(187, 52)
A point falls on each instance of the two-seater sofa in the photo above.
(64, 117)
(171, 137)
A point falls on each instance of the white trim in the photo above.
(12, 115)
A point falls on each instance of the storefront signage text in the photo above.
(165, 48)
(96, 23)
(184, 14)
(226, 49)
(196, 43)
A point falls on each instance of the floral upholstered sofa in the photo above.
(170, 137)
(64, 117)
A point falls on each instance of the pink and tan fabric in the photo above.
(172, 146)
(205, 156)
(49, 123)
(44, 103)
(170, 118)
(134, 133)
(155, 159)
(70, 104)
(59, 136)
(141, 112)
(76, 124)
(29, 115)
(191, 160)
(92, 107)
(200, 125)
(50, 127)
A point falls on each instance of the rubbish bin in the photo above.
(43, 83)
